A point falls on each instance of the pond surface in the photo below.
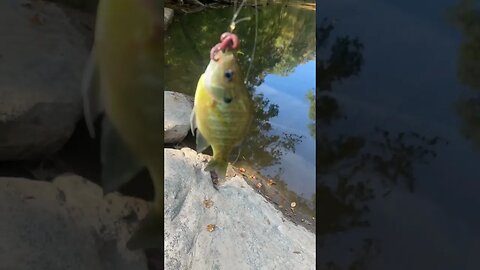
(398, 134)
(281, 145)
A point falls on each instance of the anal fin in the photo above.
(193, 123)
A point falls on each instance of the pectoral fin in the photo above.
(193, 123)
(90, 89)
(202, 144)
(119, 165)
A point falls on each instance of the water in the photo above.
(398, 132)
(281, 145)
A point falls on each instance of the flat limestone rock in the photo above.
(178, 108)
(41, 63)
(66, 224)
(248, 232)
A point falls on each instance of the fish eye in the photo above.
(229, 74)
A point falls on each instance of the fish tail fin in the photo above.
(149, 233)
(219, 166)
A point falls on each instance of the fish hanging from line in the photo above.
(124, 77)
(223, 109)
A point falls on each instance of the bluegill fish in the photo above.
(223, 110)
(124, 77)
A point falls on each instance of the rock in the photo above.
(41, 63)
(89, 5)
(66, 224)
(84, 22)
(178, 108)
(167, 16)
(248, 232)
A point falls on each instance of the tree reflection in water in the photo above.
(467, 19)
(311, 112)
(354, 169)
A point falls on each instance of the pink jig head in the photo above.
(227, 41)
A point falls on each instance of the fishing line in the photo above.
(254, 43)
(235, 15)
(234, 10)
(238, 155)
(234, 23)
(242, 19)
